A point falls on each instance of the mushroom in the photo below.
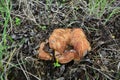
(65, 57)
(42, 54)
(79, 42)
(59, 41)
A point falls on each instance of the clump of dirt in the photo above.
(39, 19)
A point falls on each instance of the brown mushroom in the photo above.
(66, 57)
(42, 54)
(80, 42)
(60, 39)
(81, 46)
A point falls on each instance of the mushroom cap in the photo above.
(80, 42)
(59, 39)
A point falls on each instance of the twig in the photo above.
(21, 69)
(100, 72)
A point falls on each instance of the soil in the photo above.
(37, 23)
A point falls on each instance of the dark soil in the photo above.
(101, 63)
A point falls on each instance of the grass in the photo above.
(97, 9)
(5, 8)
(114, 11)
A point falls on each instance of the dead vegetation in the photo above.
(38, 19)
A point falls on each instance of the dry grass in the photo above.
(38, 18)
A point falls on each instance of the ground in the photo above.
(37, 21)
